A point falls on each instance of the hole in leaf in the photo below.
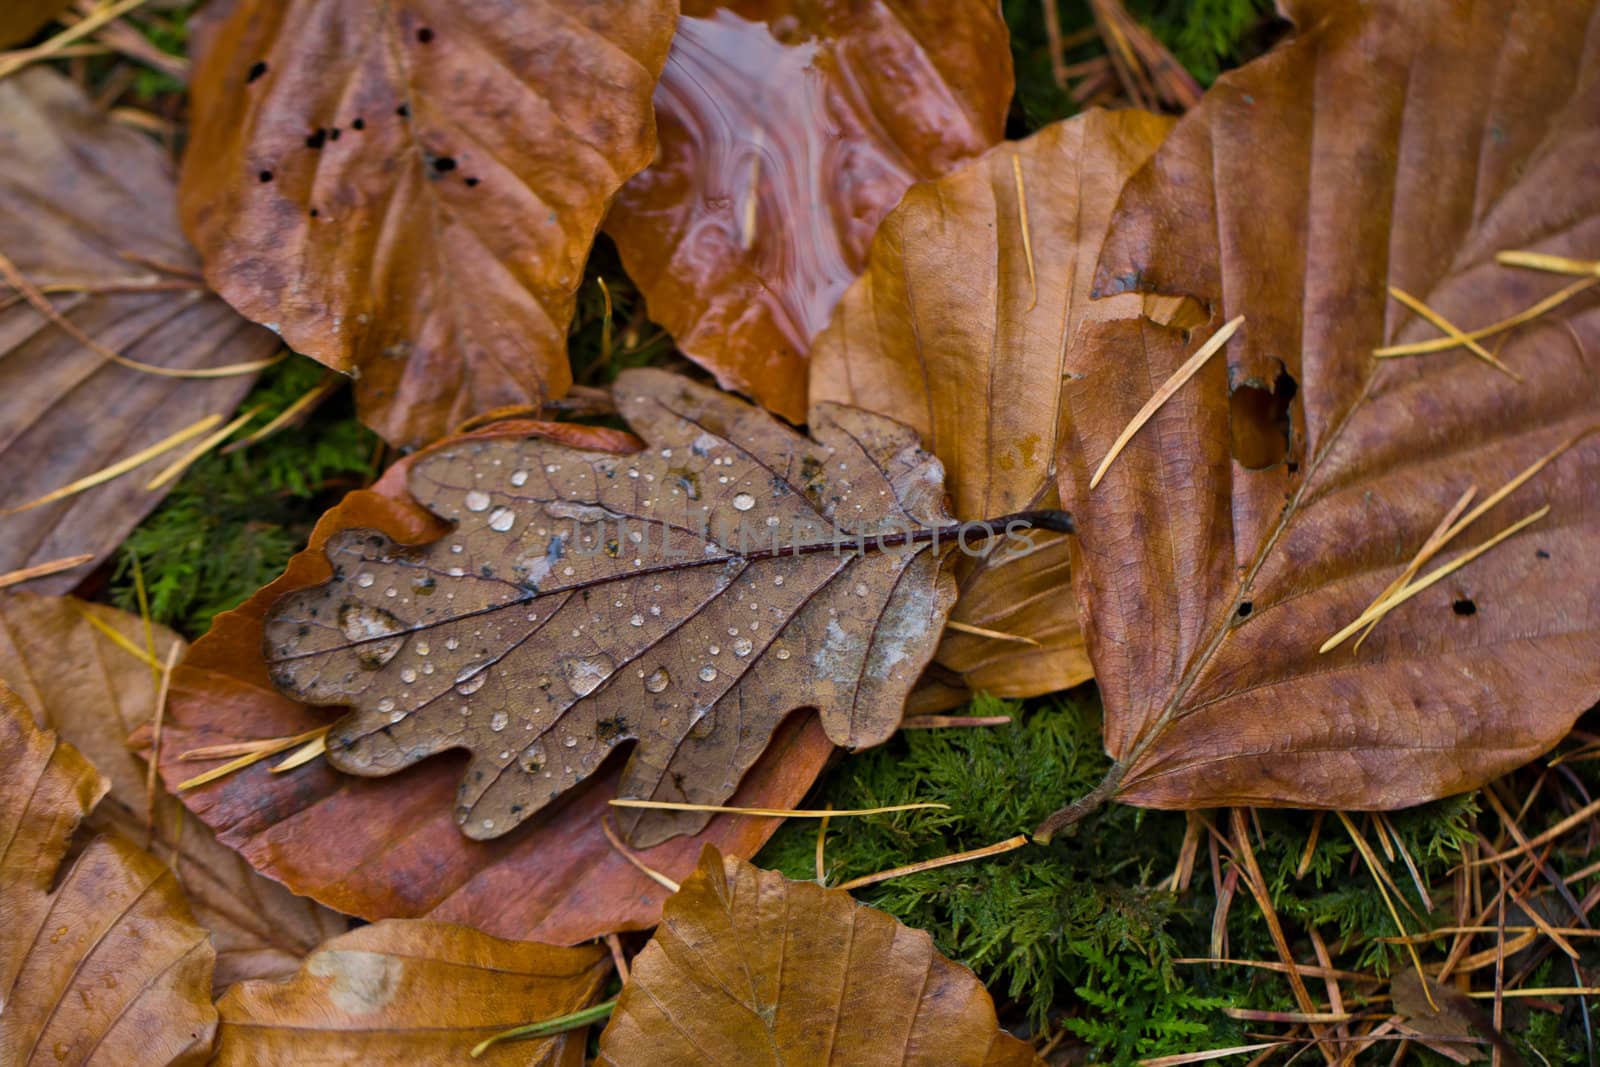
(424, 35)
(1245, 608)
(359, 124)
(1258, 421)
(444, 164)
(471, 182)
(265, 176)
(316, 140)
(1464, 606)
(257, 69)
(313, 212)
(403, 111)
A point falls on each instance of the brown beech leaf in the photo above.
(408, 193)
(959, 327)
(400, 992)
(104, 966)
(750, 968)
(1283, 488)
(87, 214)
(687, 598)
(389, 847)
(787, 131)
(92, 692)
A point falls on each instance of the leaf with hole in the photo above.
(749, 968)
(408, 193)
(105, 964)
(788, 130)
(389, 847)
(1290, 482)
(686, 598)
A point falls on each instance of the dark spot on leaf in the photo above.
(359, 124)
(444, 164)
(471, 182)
(607, 729)
(403, 111)
(486, 570)
(333, 134)
(316, 139)
(1245, 608)
(313, 212)
(1542, 554)
(424, 35)
(1259, 425)
(265, 176)
(257, 69)
(1464, 606)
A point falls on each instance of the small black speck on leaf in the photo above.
(359, 124)
(403, 111)
(257, 69)
(316, 139)
(1464, 606)
(265, 176)
(424, 35)
(444, 164)
(472, 183)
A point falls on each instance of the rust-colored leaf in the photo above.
(87, 214)
(400, 992)
(93, 692)
(385, 847)
(750, 968)
(960, 326)
(686, 598)
(787, 131)
(106, 967)
(408, 193)
(1385, 145)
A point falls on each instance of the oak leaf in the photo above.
(388, 847)
(87, 214)
(974, 284)
(787, 131)
(105, 966)
(687, 597)
(408, 193)
(93, 693)
(750, 968)
(405, 992)
(1278, 493)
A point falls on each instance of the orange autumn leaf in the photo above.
(407, 992)
(389, 847)
(408, 194)
(787, 131)
(1282, 490)
(749, 968)
(959, 326)
(105, 964)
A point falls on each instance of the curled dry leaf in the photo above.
(687, 598)
(387, 847)
(750, 968)
(1278, 492)
(960, 327)
(87, 214)
(787, 131)
(106, 966)
(400, 992)
(93, 693)
(408, 193)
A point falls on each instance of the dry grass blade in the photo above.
(117, 638)
(1374, 867)
(188, 458)
(1027, 237)
(155, 742)
(292, 414)
(627, 853)
(1008, 845)
(21, 58)
(122, 466)
(1571, 822)
(996, 635)
(1212, 346)
(1204, 1055)
(1528, 314)
(270, 747)
(942, 722)
(1545, 261)
(782, 813)
(304, 755)
(1396, 599)
(41, 570)
(1436, 540)
(1452, 330)
(1280, 968)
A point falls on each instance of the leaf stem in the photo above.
(549, 1027)
(1079, 809)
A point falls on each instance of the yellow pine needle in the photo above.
(1008, 845)
(1395, 600)
(305, 754)
(268, 747)
(1545, 261)
(1576, 819)
(19, 59)
(785, 813)
(187, 459)
(1212, 346)
(605, 321)
(41, 570)
(143, 599)
(1528, 314)
(940, 722)
(997, 635)
(1436, 540)
(1282, 968)
(1373, 868)
(822, 836)
(747, 219)
(1451, 329)
(1311, 846)
(1547, 991)
(638, 864)
(1181, 1058)
(121, 467)
(227, 750)
(316, 393)
(116, 636)
(1022, 220)
(162, 688)
(1405, 857)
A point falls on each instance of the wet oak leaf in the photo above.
(104, 965)
(959, 326)
(687, 597)
(389, 847)
(788, 130)
(406, 992)
(408, 193)
(93, 693)
(1384, 145)
(87, 214)
(750, 968)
